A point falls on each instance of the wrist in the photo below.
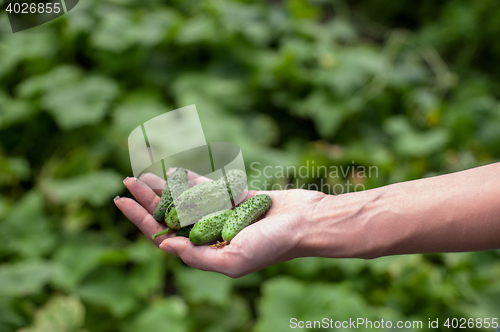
(342, 226)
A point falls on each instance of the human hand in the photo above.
(275, 238)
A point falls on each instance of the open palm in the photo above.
(273, 239)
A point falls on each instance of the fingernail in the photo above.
(168, 249)
(128, 177)
(116, 198)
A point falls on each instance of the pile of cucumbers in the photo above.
(206, 207)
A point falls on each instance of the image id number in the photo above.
(478, 323)
(33, 8)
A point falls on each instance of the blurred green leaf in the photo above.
(16, 48)
(109, 289)
(302, 9)
(13, 169)
(411, 143)
(72, 98)
(201, 286)
(115, 31)
(247, 19)
(82, 103)
(95, 188)
(285, 298)
(148, 275)
(170, 314)
(27, 230)
(76, 261)
(119, 29)
(156, 26)
(5, 206)
(57, 77)
(198, 29)
(25, 278)
(137, 108)
(328, 114)
(209, 318)
(60, 314)
(10, 319)
(308, 267)
(13, 111)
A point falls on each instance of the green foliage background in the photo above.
(411, 87)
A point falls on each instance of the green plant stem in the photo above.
(165, 231)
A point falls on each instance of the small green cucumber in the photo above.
(184, 231)
(165, 201)
(245, 214)
(209, 228)
(205, 198)
(176, 184)
(236, 181)
(171, 218)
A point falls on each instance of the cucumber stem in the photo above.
(165, 231)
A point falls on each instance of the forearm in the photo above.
(450, 213)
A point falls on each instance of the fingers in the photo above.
(141, 218)
(227, 261)
(154, 182)
(248, 252)
(143, 194)
(157, 183)
(194, 178)
(254, 248)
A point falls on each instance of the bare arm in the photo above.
(449, 213)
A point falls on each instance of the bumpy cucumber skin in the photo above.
(205, 198)
(178, 182)
(245, 214)
(209, 228)
(165, 201)
(176, 185)
(171, 218)
(236, 181)
(184, 231)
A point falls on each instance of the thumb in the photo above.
(174, 245)
(227, 260)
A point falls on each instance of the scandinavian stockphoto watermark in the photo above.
(331, 180)
(365, 323)
(358, 323)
